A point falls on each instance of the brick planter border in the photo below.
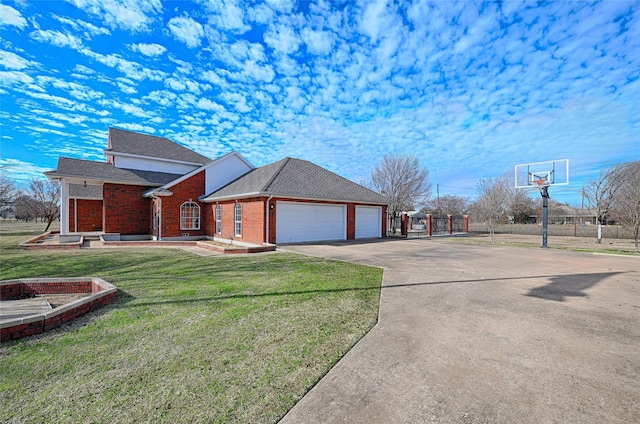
(99, 293)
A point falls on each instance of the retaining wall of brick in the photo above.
(99, 293)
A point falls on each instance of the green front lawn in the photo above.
(189, 339)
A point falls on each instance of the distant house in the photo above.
(155, 188)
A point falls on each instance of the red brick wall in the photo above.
(190, 188)
(126, 211)
(351, 221)
(89, 215)
(253, 217)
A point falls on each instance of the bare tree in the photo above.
(46, 195)
(8, 190)
(600, 194)
(492, 204)
(448, 205)
(625, 206)
(404, 183)
(25, 207)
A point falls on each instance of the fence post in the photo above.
(465, 223)
(450, 224)
(429, 226)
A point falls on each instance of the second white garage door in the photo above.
(368, 221)
(299, 222)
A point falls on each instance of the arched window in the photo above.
(218, 219)
(189, 216)
(238, 219)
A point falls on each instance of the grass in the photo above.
(188, 339)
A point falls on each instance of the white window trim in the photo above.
(184, 218)
(237, 222)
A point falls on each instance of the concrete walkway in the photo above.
(487, 334)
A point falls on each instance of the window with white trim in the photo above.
(218, 219)
(238, 219)
(189, 216)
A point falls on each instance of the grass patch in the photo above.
(188, 339)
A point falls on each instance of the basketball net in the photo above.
(542, 187)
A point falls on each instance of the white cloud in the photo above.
(11, 17)
(164, 98)
(318, 42)
(227, 14)
(131, 69)
(131, 15)
(212, 77)
(150, 50)
(282, 38)
(9, 77)
(137, 127)
(207, 104)
(186, 30)
(57, 38)
(79, 25)
(22, 172)
(12, 61)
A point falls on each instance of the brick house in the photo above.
(153, 188)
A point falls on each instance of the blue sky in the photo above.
(471, 89)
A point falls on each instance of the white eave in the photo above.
(74, 179)
(129, 155)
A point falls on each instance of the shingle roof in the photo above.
(134, 143)
(298, 179)
(103, 171)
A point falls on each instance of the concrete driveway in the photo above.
(487, 334)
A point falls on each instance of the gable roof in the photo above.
(296, 178)
(137, 144)
(103, 171)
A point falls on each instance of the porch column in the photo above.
(64, 206)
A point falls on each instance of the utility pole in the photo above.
(438, 197)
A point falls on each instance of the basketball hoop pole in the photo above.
(544, 192)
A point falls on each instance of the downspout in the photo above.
(75, 214)
(267, 223)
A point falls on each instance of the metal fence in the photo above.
(575, 230)
(439, 225)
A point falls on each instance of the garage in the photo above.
(300, 222)
(368, 221)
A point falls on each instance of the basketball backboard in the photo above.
(537, 174)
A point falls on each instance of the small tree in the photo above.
(46, 196)
(404, 183)
(492, 204)
(600, 194)
(521, 205)
(625, 206)
(8, 190)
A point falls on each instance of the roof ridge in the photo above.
(285, 161)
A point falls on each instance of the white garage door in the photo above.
(368, 221)
(298, 222)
